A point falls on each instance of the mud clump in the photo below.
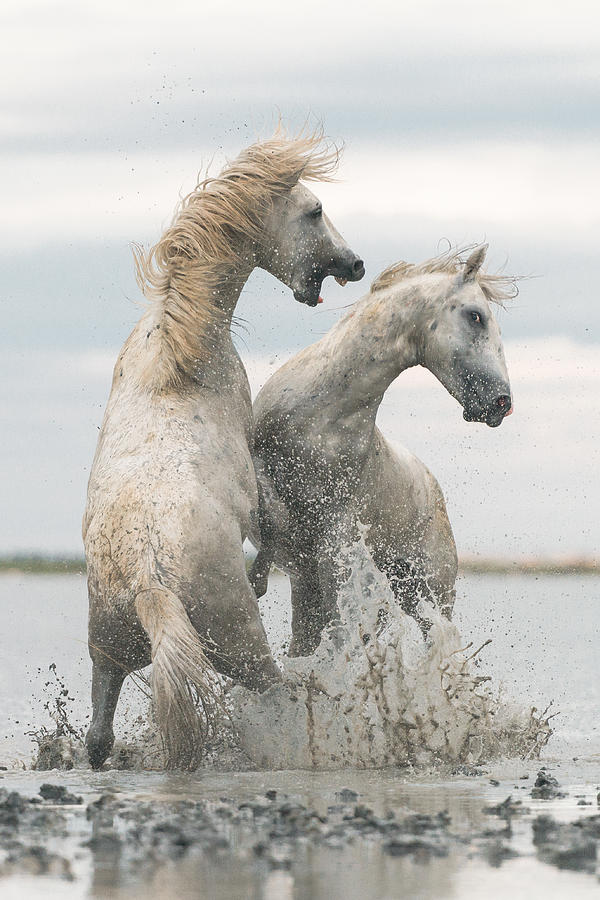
(546, 787)
(57, 793)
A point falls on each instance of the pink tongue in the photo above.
(511, 411)
(320, 300)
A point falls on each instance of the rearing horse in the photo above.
(172, 489)
(324, 466)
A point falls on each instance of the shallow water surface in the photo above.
(544, 634)
(361, 869)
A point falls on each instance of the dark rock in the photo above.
(347, 795)
(57, 793)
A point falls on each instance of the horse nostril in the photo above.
(503, 401)
(357, 266)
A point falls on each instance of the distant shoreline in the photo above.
(37, 564)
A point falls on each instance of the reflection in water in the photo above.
(105, 847)
(358, 873)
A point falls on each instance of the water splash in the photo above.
(376, 693)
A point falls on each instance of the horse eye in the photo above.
(476, 318)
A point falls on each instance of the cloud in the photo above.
(546, 188)
(151, 75)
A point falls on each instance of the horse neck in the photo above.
(191, 334)
(361, 356)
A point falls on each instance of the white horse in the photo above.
(172, 489)
(323, 465)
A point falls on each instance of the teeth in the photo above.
(342, 281)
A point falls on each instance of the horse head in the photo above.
(461, 344)
(301, 247)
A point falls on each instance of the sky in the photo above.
(460, 122)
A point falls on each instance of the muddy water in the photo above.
(544, 646)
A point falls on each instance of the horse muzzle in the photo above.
(492, 415)
(353, 270)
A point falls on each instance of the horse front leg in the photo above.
(308, 617)
(314, 599)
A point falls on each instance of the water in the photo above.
(544, 634)
(376, 692)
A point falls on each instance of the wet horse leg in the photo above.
(107, 680)
(224, 611)
(258, 576)
(314, 604)
(308, 620)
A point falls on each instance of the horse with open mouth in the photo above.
(172, 490)
(324, 467)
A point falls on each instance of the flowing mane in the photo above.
(497, 288)
(211, 229)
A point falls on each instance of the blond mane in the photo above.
(211, 229)
(497, 288)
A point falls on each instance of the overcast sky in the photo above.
(461, 122)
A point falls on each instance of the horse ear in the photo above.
(474, 263)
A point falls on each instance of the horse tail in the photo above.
(181, 675)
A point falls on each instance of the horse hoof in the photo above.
(98, 748)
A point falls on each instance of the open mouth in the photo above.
(311, 294)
